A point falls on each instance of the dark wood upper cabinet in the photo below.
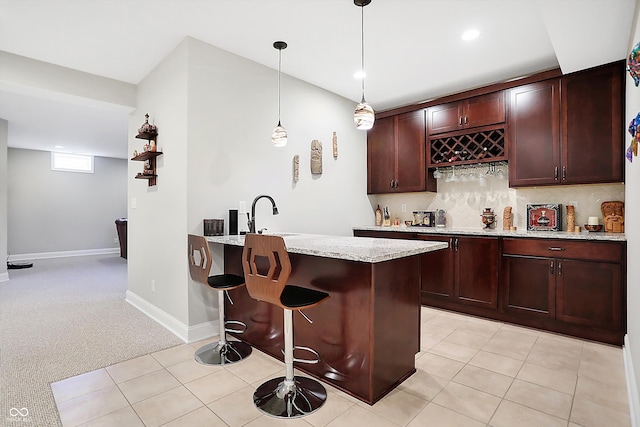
(592, 125)
(568, 130)
(473, 112)
(396, 155)
(534, 134)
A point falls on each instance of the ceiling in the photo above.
(413, 49)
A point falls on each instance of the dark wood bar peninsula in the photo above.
(367, 333)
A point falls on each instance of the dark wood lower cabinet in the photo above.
(465, 273)
(578, 288)
(573, 287)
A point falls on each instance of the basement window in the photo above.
(71, 162)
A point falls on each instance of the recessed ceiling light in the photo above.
(58, 146)
(470, 34)
(359, 74)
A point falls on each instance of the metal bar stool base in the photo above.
(222, 354)
(303, 397)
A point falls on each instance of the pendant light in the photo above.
(279, 135)
(363, 117)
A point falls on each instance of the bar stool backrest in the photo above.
(266, 266)
(199, 268)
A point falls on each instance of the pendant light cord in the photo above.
(362, 47)
(279, 68)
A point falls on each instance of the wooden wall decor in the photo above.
(296, 168)
(613, 216)
(507, 218)
(571, 218)
(316, 157)
(335, 146)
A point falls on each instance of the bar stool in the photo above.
(289, 396)
(223, 352)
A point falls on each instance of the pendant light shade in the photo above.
(364, 116)
(279, 134)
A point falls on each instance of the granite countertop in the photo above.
(585, 235)
(364, 249)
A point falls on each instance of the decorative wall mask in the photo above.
(316, 157)
(296, 168)
(633, 64)
(335, 146)
(634, 130)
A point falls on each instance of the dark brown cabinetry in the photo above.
(469, 113)
(465, 273)
(568, 285)
(396, 155)
(592, 125)
(568, 130)
(534, 136)
(574, 287)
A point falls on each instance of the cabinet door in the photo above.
(476, 271)
(484, 110)
(534, 134)
(445, 118)
(437, 269)
(592, 125)
(528, 285)
(381, 156)
(410, 148)
(589, 293)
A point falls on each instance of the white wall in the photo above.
(4, 126)
(632, 210)
(53, 211)
(225, 155)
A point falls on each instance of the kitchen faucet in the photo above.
(252, 220)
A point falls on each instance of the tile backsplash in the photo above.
(465, 198)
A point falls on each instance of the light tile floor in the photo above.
(470, 372)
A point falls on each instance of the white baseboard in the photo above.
(62, 254)
(4, 277)
(188, 334)
(632, 385)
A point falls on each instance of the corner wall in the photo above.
(4, 128)
(215, 112)
(632, 230)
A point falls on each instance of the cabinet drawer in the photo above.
(594, 251)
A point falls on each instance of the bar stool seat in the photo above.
(222, 352)
(288, 396)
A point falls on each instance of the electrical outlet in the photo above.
(134, 203)
(242, 206)
(153, 286)
(403, 207)
(115, 240)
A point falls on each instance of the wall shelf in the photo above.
(150, 157)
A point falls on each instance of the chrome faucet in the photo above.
(252, 220)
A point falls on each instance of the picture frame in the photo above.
(544, 217)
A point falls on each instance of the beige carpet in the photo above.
(61, 318)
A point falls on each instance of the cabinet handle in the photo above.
(465, 120)
(391, 184)
(551, 268)
(455, 244)
(395, 183)
(555, 173)
(564, 173)
(450, 242)
(559, 268)
(459, 120)
(552, 248)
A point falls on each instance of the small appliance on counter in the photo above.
(441, 218)
(424, 218)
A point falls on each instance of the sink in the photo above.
(282, 234)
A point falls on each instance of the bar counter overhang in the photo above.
(367, 333)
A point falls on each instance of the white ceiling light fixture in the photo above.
(470, 34)
(364, 116)
(279, 135)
